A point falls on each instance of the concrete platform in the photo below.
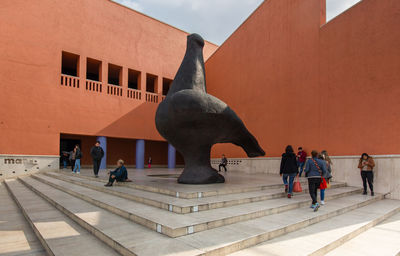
(153, 215)
(180, 205)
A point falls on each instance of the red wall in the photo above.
(267, 71)
(35, 108)
(359, 79)
(333, 87)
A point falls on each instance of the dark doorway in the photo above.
(67, 145)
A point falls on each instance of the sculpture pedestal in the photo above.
(198, 168)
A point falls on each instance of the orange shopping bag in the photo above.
(297, 186)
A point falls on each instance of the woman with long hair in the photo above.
(366, 165)
(289, 169)
(315, 170)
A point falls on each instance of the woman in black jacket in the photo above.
(289, 169)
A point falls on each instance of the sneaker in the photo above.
(108, 184)
(322, 202)
(364, 193)
(286, 188)
(372, 193)
(289, 195)
(316, 207)
(312, 206)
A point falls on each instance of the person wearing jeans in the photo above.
(288, 170)
(315, 170)
(78, 155)
(366, 165)
(301, 159)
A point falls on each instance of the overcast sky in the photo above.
(215, 20)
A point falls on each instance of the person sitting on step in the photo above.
(223, 164)
(120, 174)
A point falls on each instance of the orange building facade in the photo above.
(76, 70)
(296, 80)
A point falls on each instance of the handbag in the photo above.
(297, 186)
(323, 184)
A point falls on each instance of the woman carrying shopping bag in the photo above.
(315, 170)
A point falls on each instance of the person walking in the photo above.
(78, 156)
(315, 169)
(289, 169)
(97, 154)
(301, 159)
(149, 162)
(119, 174)
(366, 165)
(223, 164)
(72, 159)
(328, 175)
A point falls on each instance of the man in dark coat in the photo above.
(120, 174)
(97, 154)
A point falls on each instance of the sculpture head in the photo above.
(195, 39)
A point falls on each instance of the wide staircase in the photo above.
(77, 215)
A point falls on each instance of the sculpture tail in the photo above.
(250, 145)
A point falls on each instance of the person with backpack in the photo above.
(366, 165)
(97, 154)
(288, 170)
(78, 156)
(315, 170)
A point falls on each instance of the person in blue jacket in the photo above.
(315, 170)
(119, 174)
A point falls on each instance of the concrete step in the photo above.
(58, 234)
(383, 239)
(197, 191)
(238, 236)
(16, 236)
(179, 205)
(320, 238)
(175, 225)
(121, 234)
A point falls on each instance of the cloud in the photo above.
(215, 20)
(336, 7)
(131, 4)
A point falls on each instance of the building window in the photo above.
(151, 83)
(69, 64)
(166, 84)
(93, 69)
(133, 79)
(114, 74)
